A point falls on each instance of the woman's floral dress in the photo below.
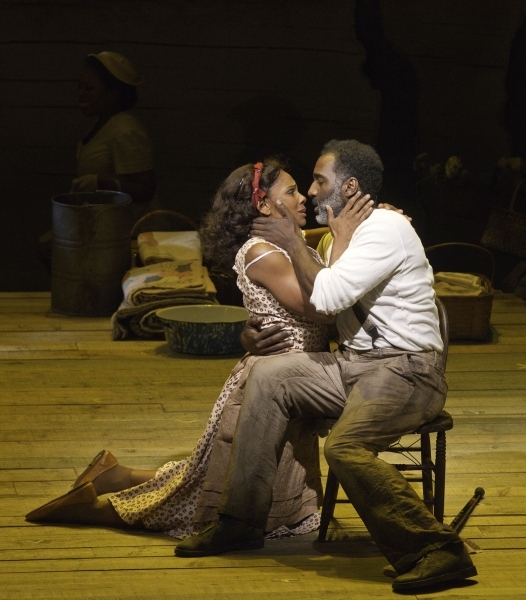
(169, 502)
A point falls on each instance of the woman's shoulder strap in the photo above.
(259, 240)
(255, 260)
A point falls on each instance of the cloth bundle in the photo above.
(458, 284)
(180, 280)
(160, 246)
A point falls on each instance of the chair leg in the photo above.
(427, 471)
(440, 475)
(329, 502)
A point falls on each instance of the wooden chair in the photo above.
(417, 455)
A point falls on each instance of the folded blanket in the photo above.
(146, 289)
(458, 284)
(169, 278)
(159, 246)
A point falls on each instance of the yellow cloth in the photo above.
(159, 246)
(146, 289)
(458, 284)
(166, 279)
(323, 246)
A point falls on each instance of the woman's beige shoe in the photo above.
(104, 461)
(84, 494)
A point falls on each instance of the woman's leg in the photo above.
(108, 476)
(98, 512)
(80, 505)
(121, 478)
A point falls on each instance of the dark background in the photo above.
(232, 81)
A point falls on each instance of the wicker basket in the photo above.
(469, 316)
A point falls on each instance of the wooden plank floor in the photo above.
(67, 390)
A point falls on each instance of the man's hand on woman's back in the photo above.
(264, 341)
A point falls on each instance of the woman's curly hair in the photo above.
(226, 226)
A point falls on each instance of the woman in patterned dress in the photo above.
(181, 497)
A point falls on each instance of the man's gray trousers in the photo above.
(377, 397)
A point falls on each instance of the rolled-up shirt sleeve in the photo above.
(374, 254)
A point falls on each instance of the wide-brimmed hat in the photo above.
(120, 67)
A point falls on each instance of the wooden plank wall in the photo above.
(210, 67)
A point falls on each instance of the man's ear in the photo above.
(350, 187)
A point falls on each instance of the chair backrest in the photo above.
(444, 330)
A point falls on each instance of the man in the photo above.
(382, 383)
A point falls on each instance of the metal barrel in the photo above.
(90, 252)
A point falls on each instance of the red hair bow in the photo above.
(257, 194)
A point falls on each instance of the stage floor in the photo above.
(67, 391)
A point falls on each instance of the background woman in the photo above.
(116, 153)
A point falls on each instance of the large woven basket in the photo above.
(469, 316)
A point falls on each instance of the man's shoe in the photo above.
(446, 564)
(225, 535)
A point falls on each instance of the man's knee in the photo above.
(265, 387)
(340, 450)
(333, 450)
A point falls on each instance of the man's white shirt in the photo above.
(386, 269)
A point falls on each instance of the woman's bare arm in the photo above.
(275, 273)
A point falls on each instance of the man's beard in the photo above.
(334, 200)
